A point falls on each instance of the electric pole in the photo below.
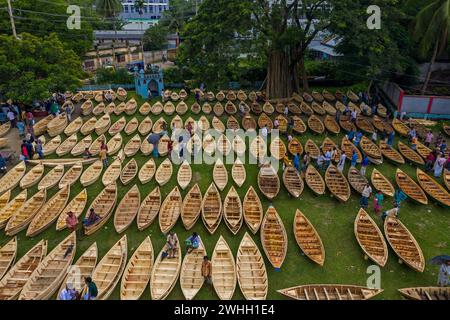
(11, 17)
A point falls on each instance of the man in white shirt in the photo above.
(365, 195)
(391, 213)
(341, 163)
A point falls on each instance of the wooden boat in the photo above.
(317, 96)
(3, 142)
(76, 205)
(404, 244)
(149, 209)
(88, 127)
(308, 239)
(381, 110)
(121, 94)
(49, 212)
(329, 292)
(163, 145)
(129, 172)
(329, 145)
(381, 125)
(117, 126)
(127, 209)
(422, 150)
(49, 274)
(66, 162)
(224, 145)
(390, 153)
(7, 256)
(315, 124)
(426, 293)
(145, 126)
(92, 173)
(51, 178)
(400, 127)
(103, 124)
(108, 271)
(145, 109)
(114, 144)
(4, 199)
(252, 210)
(299, 125)
(306, 109)
(232, 211)
(87, 108)
(99, 109)
(264, 121)
(11, 207)
(295, 147)
(238, 145)
(81, 146)
(314, 180)
(223, 270)
(238, 172)
(212, 208)
(146, 147)
(230, 107)
(410, 187)
(112, 173)
(268, 181)
(4, 128)
(347, 147)
(220, 175)
(312, 149)
(232, 123)
(365, 125)
(191, 207)
(203, 123)
(207, 108)
(176, 123)
(158, 125)
(132, 146)
(196, 108)
(293, 181)
(174, 96)
(277, 148)
(410, 154)
(307, 97)
(131, 126)
(191, 279)
(328, 96)
(220, 96)
(95, 147)
(157, 108)
(169, 108)
(39, 128)
(164, 172)
(71, 176)
(184, 175)
(165, 274)
(317, 108)
(268, 108)
(346, 124)
(274, 238)
(357, 180)
(371, 150)
(210, 96)
(256, 108)
(370, 238)
(209, 144)
(294, 109)
(147, 171)
(103, 206)
(248, 123)
(119, 109)
(51, 146)
(73, 127)
(282, 123)
(337, 183)
(381, 183)
(329, 109)
(131, 107)
(67, 146)
(32, 177)
(15, 279)
(331, 125)
(137, 272)
(433, 188)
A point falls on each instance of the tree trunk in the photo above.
(303, 73)
(430, 68)
(279, 82)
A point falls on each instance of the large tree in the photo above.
(32, 68)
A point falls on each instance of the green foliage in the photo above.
(180, 11)
(327, 69)
(33, 68)
(155, 37)
(109, 75)
(175, 75)
(109, 8)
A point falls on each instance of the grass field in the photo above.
(344, 263)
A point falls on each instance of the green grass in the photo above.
(333, 220)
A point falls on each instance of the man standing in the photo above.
(364, 164)
(206, 270)
(12, 118)
(365, 195)
(92, 290)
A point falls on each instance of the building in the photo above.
(151, 12)
(323, 47)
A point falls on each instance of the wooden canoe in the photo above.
(117, 126)
(145, 109)
(446, 178)
(346, 124)
(293, 181)
(268, 181)
(129, 172)
(71, 176)
(73, 127)
(357, 180)
(282, 123)
(131, 107)
(307, 97)
(184, 175)
(127, 209)
(191, 278)
(99, 109)
(433, 188)
(328, 96)
(312, 149)
(110, 108)
(238, 172)
(299, 125)
(169, 108)
(121, 94)
(16, 278)
(39, 128)
(8, 255)
(157, 108)
(251, 270)
(331, 125)
(410, 187)
(364, 125)
(32, 177)
(108, 271)
(248, 123)
(103, 206)
(400, 127)
(147, 171)
(381, 183)
(426, 293)
(306, 109)
(131, 126)
(76, 206)
(176, 123)
(203, 123)
(252, 210)
(164, 172)
(370, 238)
(274, 238)
(230, 108)
(330, 145)
(165, 274)
(317, 108)
(196, 108)
(268, 108)
(390, 153)
(315, 124)
(174, 96)
(337, 183)
(57, 125)
(220, 95)
(163, 145)
(258, 147)
(308, 239)
(381, 125)
(223, 145)
(295, 147)
(137, 272)
(145, 126)
(223, 270)
(146, 147)
(212, 208)
(112, 173)
(181, 108)
(347, 147)
(4, 128)
(232, 123)
(191, 207)
(404, 244)
(4, 199)
(88, 127)
(48, 276)
(329, 109)
(232, 211)
(371, 150)
(220, 175)
(277, 148)
(87, 107)
(422, 150)
(81, 146)
(103, 124)
(132, 146)
(294, 109)
(11, 207)
(329, 292)
(410, 154)
(66, 146)
(314, 180)
(120, 108)
(317, 96)
(80, 270)
(51, 146)
(92, 173)
(170, 210)
(49, 212)
(149, 209)
(264, 121)
(96, 146)
(218, 109)
(114, 144)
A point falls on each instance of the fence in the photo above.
(106, 87)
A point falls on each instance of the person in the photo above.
(54, 109)
(327, 159)
(428, 138)
(447, 164)
(414, 143)
(334, 154)
(68, 111)
(390, 140)
(2, 164)
(276, 124)
(39, 149)
(286, 111)
(378, 202)
(71, 221)
(24, 151)
(297, 161)
(391, 213)
(320, 161)
(439, 140)
(443, 147)
(242, 109)
(341, 162)
(104, 146)
(193, 242)
(103, 157)
(429, 161)
(87, 154)
(365, 195)
(264, 132)
(197, 96)
(169, 149)
(338, 115)
(439, 165)
(364, 164)
(306, 161)
(207, 270)
(374, 137)
(91, 219)
(162, 96)
(399, 197)
(21, 127)
(92, 290)
(189, 128)
(30, 118)
(69, 292)
(384, 135)
(354, 159)
(30, 148)
(351, 134)
(172, 244)
(353, 116)
(358, 137)
(444, 273)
